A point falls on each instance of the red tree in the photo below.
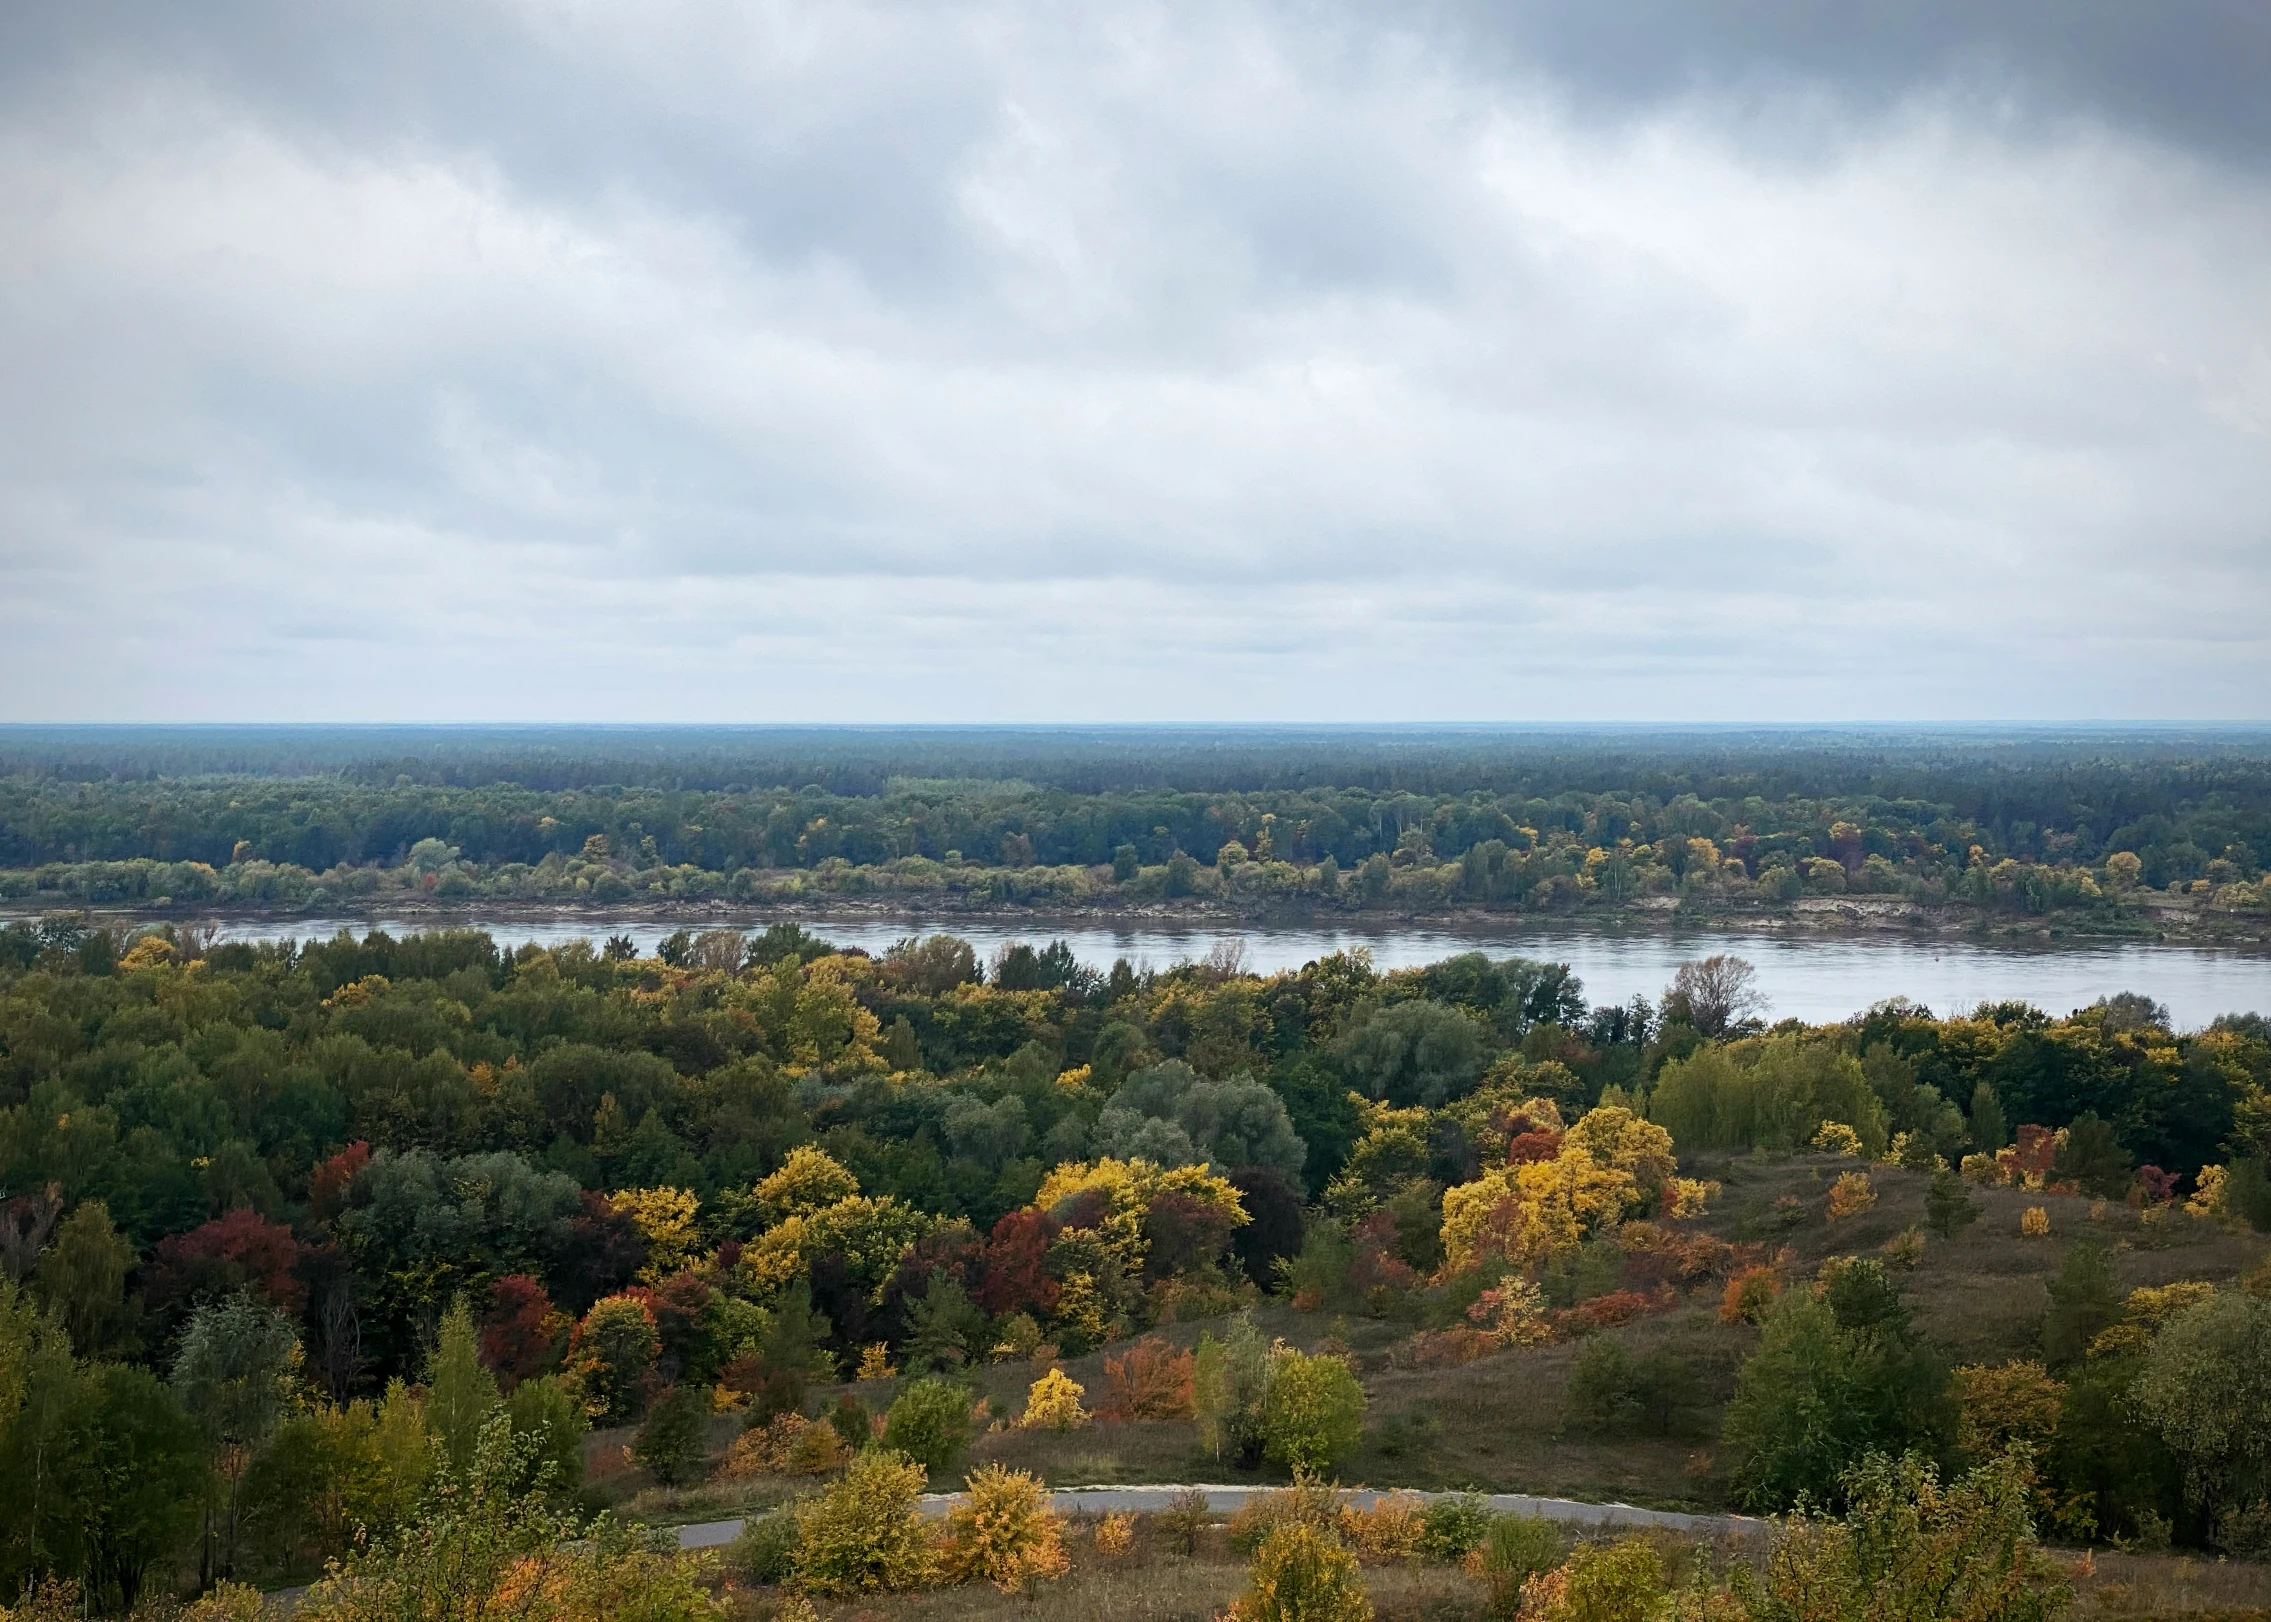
(519, 1330)
(1015, 1277)
(334, 1178)
(227, 1254)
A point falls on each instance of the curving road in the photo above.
(1102, 1500)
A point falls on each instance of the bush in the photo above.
(1457, 1523)
(929, 1423)
(1612, 1393)
(1393, 1529)
(1312, 1411)
(765, 1552)
(1115, 1535)
(1004, 1532)
(669, 1444)
(1053, 1403)
(862, 1535)
(2034, 1222)
(1850, 1195)
(1515, 1549)
(1182, 1520)
(1611, 1582)
(1262, 1513)
(1302, 1574)
(1150, 1380)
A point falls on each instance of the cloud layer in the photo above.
(713, 362)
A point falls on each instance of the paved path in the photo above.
(712, 1534)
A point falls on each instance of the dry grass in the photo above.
(1164, 1588)
(2123, 1586)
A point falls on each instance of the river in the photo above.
(1814, 978)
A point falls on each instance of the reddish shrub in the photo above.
(1607, 1311)
(232, 1252)
(1150, 1380)
(1450, 1348)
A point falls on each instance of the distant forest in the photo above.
(1413, 819)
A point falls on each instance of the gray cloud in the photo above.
(702, 361)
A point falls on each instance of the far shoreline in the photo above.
(1842, 918)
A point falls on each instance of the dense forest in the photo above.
(276, 1215)
(2085, 824)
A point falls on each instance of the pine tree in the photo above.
(1948, 1206)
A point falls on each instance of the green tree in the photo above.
(862, 1535)
(1989, 1129)
(1312, 1411)
(81, 1278)
(1229, 1377)
(550, 1422)
(669, 1445)
(2085, 1298)
(2093, 1157)
(2206, 1388)
(1835, 1377)
(234, 1374)
(1948, 1205)
(460, 1393)
(929, 1422)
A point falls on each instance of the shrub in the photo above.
(1456, 1525)
(875, 1363)
(2034, 1222)
(1516, 1549)
(1611, 1582)
(1115, 1534)
(669, 1444)
(1749, 1293)
(929, 1423)
(1312, 1411)
(1183, 1518)
(1302, 1574)
(862, 1535)
(2010, 1402)
(852, 1423)
(1836, 1138)
(1053, 1403)
(786, 1445)
(1904, 1249)
(1264, 1512)
(1393, 1529)
(1003, 1532)
(224, 1602)
(1611, 1392)
(765, 1550)
(1850, 1195)
(1150, 1380)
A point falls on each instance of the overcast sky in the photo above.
(1721, 360)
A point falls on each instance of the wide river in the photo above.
(1811, 978)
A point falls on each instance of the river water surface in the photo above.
(1807, 977)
